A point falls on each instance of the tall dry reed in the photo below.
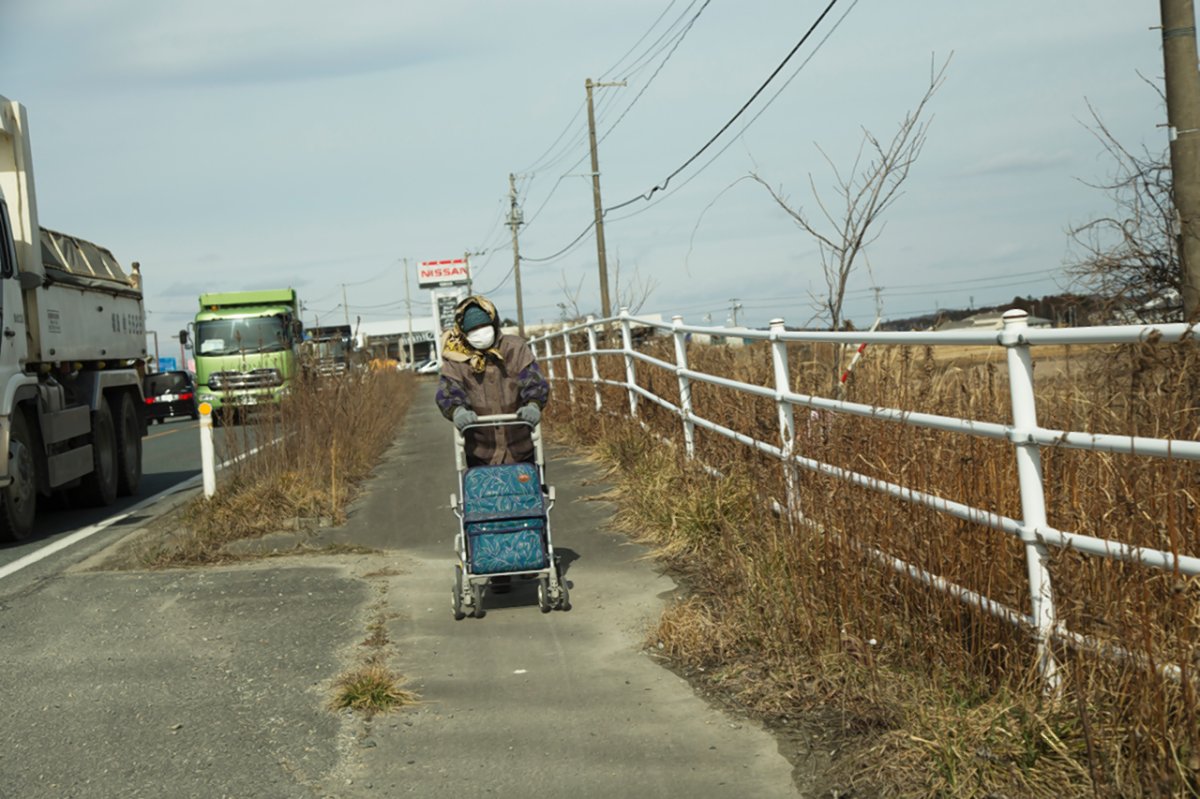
(297, 465)
(933, 696)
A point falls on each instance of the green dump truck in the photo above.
(246, 345)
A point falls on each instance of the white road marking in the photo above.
(88, 532)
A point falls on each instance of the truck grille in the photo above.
(234, 381)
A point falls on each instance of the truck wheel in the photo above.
(129, 446)
(18, 500)
(100, 486)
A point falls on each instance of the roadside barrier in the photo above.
(1022, 432)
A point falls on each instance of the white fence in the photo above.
(1023, 432)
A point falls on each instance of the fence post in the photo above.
(630, 375)
(549, 356)
(685, 387)
(567, 359)
(787, 417)
(591, 337)
(1033, 500)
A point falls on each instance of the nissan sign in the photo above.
(452, 272)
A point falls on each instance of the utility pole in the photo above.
(736, 306)
(1183, 119)
(605, 306)
(345, 307)
(471, 277)
(515, 218)
(408, 308)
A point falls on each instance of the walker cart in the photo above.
(504, 525)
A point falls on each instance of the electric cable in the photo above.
(837, 24)
(675, 46)
(606, 100)
(666, 181)
(641, 39)
(537, 164)
(564, 250)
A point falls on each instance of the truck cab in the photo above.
(246, 347)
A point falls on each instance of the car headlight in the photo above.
(207, 397)
(214, 381)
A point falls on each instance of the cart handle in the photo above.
(497, 420)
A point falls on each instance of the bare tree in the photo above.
(568, 307)
(872, 184)
(1130, 257)
(636, 291)
(632, 294)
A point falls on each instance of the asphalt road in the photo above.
(215, 682)
(170, 458)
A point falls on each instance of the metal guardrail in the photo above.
(1023, 432)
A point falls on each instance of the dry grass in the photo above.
(370, 689)
(924, 695)
(328, 435)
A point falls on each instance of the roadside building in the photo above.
(389, 340)
(989, 320)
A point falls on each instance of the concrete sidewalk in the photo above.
(215, 682)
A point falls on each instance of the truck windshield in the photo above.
(233, 336)
(331, 349)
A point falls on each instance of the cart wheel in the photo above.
(456, 603)
(544, 595)
(564, 598)
(477, 594)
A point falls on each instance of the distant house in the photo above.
(989, 320)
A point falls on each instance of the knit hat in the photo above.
(475, 317)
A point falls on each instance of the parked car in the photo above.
(170, 394)
(427, 367)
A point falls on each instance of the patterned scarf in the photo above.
(454, 343)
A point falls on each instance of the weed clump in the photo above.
(371, 688)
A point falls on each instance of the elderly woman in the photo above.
(486, 372)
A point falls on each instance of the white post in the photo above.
(591, 335)
(787, 417)
(1033, 500)
(685, 388)
(567, 359)
(208, 466)
(630, 375)
(549, 357)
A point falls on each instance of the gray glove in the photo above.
(529, 413)
(464, 416)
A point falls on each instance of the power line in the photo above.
(641, 39)
(678, 41)
(563, 251)
(800, 68)
(606, 101)
(537, 164)
(648, 194)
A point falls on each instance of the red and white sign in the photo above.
(452, 272)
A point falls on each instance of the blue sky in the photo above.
(232, 145)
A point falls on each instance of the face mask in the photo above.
(482, 338)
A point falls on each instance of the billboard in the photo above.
(445, 306)
(450, 272)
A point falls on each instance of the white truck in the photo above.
(72, 354)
